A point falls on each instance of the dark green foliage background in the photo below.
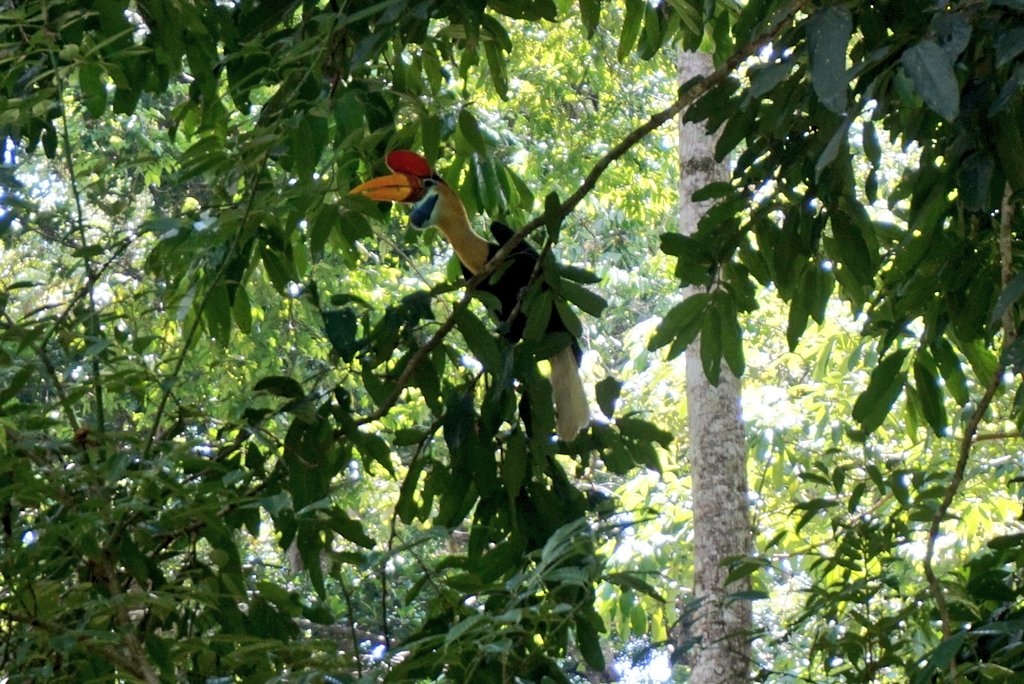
(234, 444)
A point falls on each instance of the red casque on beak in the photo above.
(398, 187)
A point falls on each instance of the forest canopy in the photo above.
(254, 428)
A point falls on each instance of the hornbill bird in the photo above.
(434, 203)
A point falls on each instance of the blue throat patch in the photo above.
(422, 211)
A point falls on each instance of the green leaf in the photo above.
(320, 229)
(800, 307)
(241, 311)
(1010, 295)
(538, 313)
(742, 568)
(1010, 147)
(631, 25)
(952, 30)
(951, 370)
(589, 642)
(341, 327)
(1013, 355)
(885, 385)
(982, 359)
(632, 580)
(766, 78)
(828, 35)
(481, 342)
(280, 385)
(711, 345)
(590, 13)
(350, 529)
(713, 103)
(514, 464)
(839, 141)
(16, 383)
(682, 322)
(277, 503)
(579, 275)
(496, 65)
(278, 270)
(872, 148)
(851, 249)
(406, 507)
(349, 113)
(373, 448)
(943, 655)
(932, 73)
(1008, 44)
(607, 392)
(929, 392)
(218, 314)
(552, 215)
(466, 626)
(569, 318)
(470, 129)
(495, 31)
(94, 91)
(643, 430)
(484, 467)
(731, 332)
(1008, 93)
(974, 177)
(812, 508)
(430, 133)
(583, 298)
(714, 190)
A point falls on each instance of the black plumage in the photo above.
(509, 283)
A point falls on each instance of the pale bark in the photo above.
(721, 627)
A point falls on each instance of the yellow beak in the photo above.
(398, 187)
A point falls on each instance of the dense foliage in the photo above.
(927, 254)
(252, 428)
(210, 350)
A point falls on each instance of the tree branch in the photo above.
(971, 429)
(95, 331)
(191, 335)
(966, 442)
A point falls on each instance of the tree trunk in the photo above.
(720, 628)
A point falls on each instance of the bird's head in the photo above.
(413, 182)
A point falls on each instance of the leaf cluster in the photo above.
(921, 259)
(234, 357)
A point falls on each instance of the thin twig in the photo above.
(420, 448)
(971, 429)
(687, 96)
(192, 334)
(991, 436)
(966, 442)
(351, 624)
(54, 375)
(95, 331)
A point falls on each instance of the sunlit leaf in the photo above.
(885, 385)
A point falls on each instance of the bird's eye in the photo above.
(429, 182)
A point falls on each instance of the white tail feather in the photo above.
(571, 410)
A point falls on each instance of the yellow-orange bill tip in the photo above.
(394, 188)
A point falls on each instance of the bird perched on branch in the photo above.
(434, 203)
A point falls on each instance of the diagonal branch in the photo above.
(688, 94)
